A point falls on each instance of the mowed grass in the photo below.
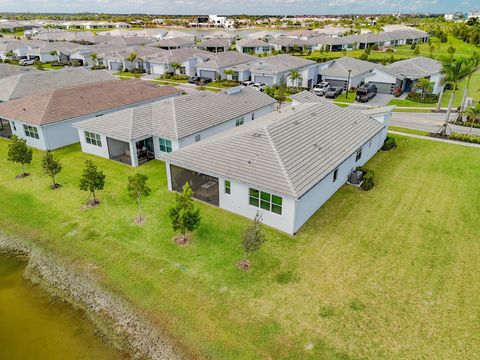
(390, 273)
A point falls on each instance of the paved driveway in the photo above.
(378, 100)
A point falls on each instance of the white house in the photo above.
(45, 120)
(214, 67)
(187, 58)
(285, 165)
(253, 46)
(140, 134)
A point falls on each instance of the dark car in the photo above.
(366, 92)
(333, 92)
(202, 81)
(193, 79)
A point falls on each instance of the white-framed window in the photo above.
(197, 138)
(227, 187)
(359, 154)
(239, 121)
(335, 175)
(265, 201)
(31, 131)
(165, 145)
(93, 139)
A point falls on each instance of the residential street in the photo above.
(426, 121)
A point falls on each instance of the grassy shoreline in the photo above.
(396, 288)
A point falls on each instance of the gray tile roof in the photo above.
(176, 42)
(178, 55)
(340, 67)
(286, 153)
(178, 117)
(7, 70)
(36, 82)
(280, 63)
(215, 42)
(253, 43)
(289, 42)
(416, 67)
(227, 59)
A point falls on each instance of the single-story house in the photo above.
(345, 72)
(284, 165)
(288, 44)
(415, 68)
(175, 43)
(187, 58)
(214, 67)
(7, 70)
(214, 45)
(253, 46)
(45, 120)
(274, 70)
(140, 134)
(35, 82)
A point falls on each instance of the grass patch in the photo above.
(397, 265)
(225, 84)
(343, 99)
(409, 131)
(127, 74)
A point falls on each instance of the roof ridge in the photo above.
(280, 162)
(174, 117)
(47, 105)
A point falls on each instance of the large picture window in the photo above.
(165, 145)
(31, 131)
(266, 201)
(93, 139)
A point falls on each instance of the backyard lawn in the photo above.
(391, 273)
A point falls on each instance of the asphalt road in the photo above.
(427, 121)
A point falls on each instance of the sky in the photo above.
(227, 7)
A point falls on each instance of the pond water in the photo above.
(33, 325)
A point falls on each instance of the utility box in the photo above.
(355, 177)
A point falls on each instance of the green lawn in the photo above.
(391, 273)
(346, 100)
(409, 131)
(225, 84)
(127, 74)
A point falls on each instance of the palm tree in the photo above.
(425, 85)
(471, 68)
(295, 77)
(453, 70)
(94, 57)
(132, 57)
(229, 73)
(176, 67)
(472, 113)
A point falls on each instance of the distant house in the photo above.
(215, 67)
(187, 58)
(215, 45)
(45, 120)
(175, 43)
(288, 44)
(284, 165)
(139, 134)
(253, 46)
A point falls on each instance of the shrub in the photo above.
(389, 144)
(470, 138)
(367, 179)
(137, 71)
(75, 63)
(180, 77)
(98, 67)
(429, 98)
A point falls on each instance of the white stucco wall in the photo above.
(18, 129)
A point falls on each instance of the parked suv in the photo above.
(259, 86)
(333, 92)
(193, 79)
(25, 62)
(321, 88)
(248, 83)
(202, 81)
(366, 92)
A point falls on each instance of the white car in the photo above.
(248, 83)
(259, 86)
(321, 88)
(25, 62)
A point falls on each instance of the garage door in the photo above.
(384, 88)
(157, 69)
(340, 83)
(208, 74)
(116, 65)
(263, 79)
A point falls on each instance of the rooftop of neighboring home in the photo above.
(72, 102)
(416, 67)
(289, 42)
(171, 34)
(35, 82)
(227, 59)
(7, 70)
(180, 116)
(219, 34)
(253, 43)
(175, 42)
(341, 66)
(178, 55)
(280, 63)
(215, 42)
(265, 34)
(287, 152)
